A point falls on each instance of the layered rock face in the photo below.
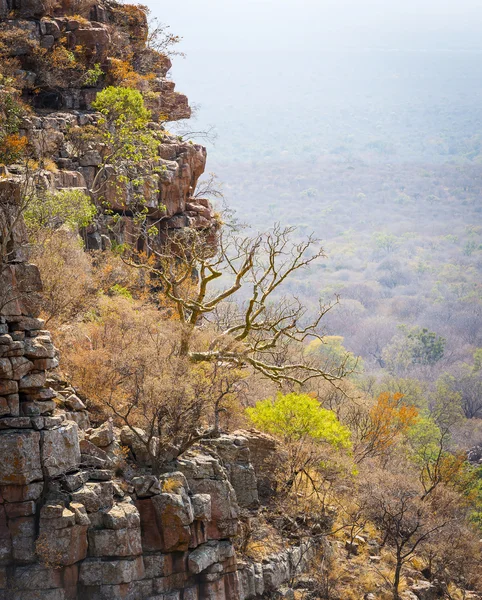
(75, 522)
(43, 35)
(70, 528)
(73, 526)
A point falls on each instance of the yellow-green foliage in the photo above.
(299, 416)
(70, 207)
(332, 354)
(122, 105)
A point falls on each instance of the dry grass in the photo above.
(171, 486)
(50, 165)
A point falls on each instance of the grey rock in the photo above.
(32, 381)
(20, 452)
(76, 480)
(115, 542)
(74, 403)
(121, 516)
(60, 449)
(21, 366)
(80, 512)
(146, 486)
(203, 557)
(201, 505)
(95, 572)
(102, 436)
(95, 496)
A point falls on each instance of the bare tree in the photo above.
(166, 402)
(250, 317)
(405, 521)
(16, 195)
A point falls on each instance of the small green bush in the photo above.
(71, 207)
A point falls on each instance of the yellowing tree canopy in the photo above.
(298, 416)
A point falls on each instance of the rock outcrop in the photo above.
(72, 524)
(43, 38)
(70, 528)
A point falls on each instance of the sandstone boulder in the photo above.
(102, 436)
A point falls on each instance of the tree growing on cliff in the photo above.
(166, 402)
(125, 148)
(188, 376)
(298, 417)
(235, 283)
(307, 430)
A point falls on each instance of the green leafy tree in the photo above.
(428, 347)
(296, 417)
(122, 106)
(312, 439)
(71, 207)
(413, 346)
(476, 496)
(127, 146)
(385, 242)
(430, 440)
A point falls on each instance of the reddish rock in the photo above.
(63, 547)
(20, 509)
(21, 493)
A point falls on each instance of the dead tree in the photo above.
(236, 286)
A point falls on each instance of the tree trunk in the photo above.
(396, 580)
(185, 342)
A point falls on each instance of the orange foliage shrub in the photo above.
(386, 420)
(13, 148)
(133, 18)
(13, 145)
(122, 73)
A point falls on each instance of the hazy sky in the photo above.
(262, 24)
(257, 68)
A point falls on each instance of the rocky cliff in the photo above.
(57, 57)
(71, 528)
(74, 525)
(79, 517)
